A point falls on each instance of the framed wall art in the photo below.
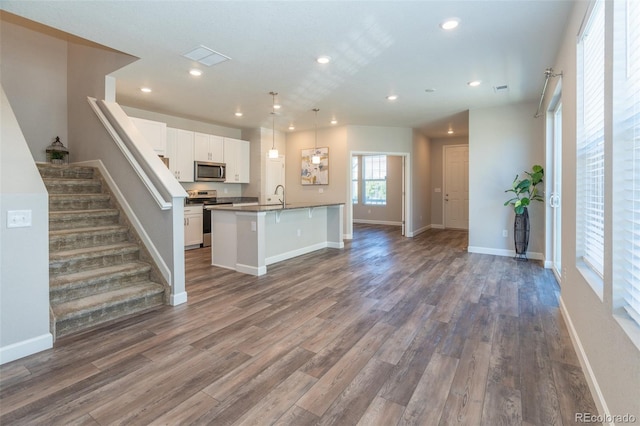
(315, 174)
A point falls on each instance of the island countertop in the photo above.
(271, 207)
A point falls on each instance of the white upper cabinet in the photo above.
(208, 147)
(238, 160)
(180, 153)
(154, 132)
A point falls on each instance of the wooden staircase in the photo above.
(96, 268)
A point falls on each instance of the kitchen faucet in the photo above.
(283, 196)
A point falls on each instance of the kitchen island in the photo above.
(248, 238)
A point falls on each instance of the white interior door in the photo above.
(555, 198)
(274, 177)
(456, 186)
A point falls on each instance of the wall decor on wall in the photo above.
(315, 174)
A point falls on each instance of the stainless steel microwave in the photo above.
(204, 171)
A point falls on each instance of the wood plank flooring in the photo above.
(389, 330)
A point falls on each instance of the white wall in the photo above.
(422, 181)
(342, 142)
(610, 355)
(24, 252)
(34, 66)
(503, 142)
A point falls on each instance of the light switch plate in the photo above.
(18, 218)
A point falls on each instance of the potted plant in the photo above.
(525, 190)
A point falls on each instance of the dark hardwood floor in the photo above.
(390, 330)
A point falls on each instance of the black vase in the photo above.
(521, 234)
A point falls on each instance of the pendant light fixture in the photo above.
(315, 158)
(273, 152)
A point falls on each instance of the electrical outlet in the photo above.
(505, 233)
(321, 190)
(299, 232)
(18, 218)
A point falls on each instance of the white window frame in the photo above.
(374, 169)
(626, 164)
(590, 148)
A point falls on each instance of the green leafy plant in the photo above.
(57, 155)
(526, 190)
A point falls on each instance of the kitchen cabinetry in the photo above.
(208, 147)
(237, 157)
(193, 226)
(180, 153)
(154, 132)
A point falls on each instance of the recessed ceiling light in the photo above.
(474, 83)
(195, 72)
(238, 114)
(323, 60)
(292, 127)
(276, 106)
(392, 97)
(334, 121)
(450, 24)
(145, 89)
(450, 132)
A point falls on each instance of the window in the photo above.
(626, 157)
(590, 144)
(375, 179)
(354, 179)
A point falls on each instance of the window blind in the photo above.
(375, 179)
(628, 162)
(590, 144)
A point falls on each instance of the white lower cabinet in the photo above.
(193, 226)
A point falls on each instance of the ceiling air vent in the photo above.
(206, 56)
(500, 89)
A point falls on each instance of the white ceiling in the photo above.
(377, 48)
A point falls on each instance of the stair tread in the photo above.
(84, 211)
(92, 251)
(95, 274)
(78, 307)
(95, 229)
(82, 194)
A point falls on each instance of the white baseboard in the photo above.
(503, 252)
(339, 245)
(25, 348)
(178, 299)
(251, 270)
(437, 226)
(596, 393)
(377, 222)
(294, 253)
(419, 231)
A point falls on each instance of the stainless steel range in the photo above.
(206, 197)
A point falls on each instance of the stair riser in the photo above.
(65, 172)
(89, 319)
(106, 283)
(77, 241)
(77, 204)
(70, 266)
(71, 222)
(74, 188)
